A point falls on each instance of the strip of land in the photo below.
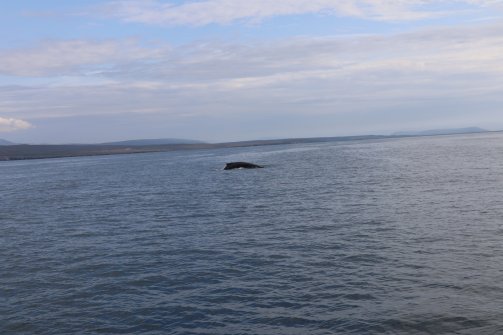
(27, 151)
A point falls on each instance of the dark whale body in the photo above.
(241, 165)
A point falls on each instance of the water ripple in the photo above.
(373, 237)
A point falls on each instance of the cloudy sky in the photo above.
(221, 70)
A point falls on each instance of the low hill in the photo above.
(5, 142)
(441, 132)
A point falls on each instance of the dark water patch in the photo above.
(387, 237)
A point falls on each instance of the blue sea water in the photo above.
(401, 236)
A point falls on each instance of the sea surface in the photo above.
(401, 236)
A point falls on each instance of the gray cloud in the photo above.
(64, 57)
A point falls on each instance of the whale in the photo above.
(241, 165)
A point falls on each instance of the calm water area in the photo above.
(400, 236)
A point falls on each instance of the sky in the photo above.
(88, 71)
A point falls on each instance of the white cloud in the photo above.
(198, 13)
(11, 124)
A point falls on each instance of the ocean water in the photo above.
(400, 236)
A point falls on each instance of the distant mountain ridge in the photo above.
(5, 142)
(441, 132)
(155, 141)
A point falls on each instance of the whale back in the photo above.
(241, 165)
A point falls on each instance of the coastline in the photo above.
(47, 151)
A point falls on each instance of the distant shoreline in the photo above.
(29, 151)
